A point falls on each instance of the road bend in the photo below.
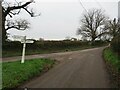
(78, 69)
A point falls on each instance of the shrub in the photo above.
(99, 43)
(115, 44)
(15, 45)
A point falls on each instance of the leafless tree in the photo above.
(12, 9)
(17, 24)
(113, 27)
(92, 23)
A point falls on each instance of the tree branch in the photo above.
(16, 27)
(31, 13)
(9, 9)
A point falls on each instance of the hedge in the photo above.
(115, 44)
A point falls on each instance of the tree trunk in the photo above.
(4, 36)
(93, 41)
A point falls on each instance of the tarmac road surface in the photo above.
(78, 69)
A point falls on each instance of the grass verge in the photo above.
(113, 65)
(15, 73)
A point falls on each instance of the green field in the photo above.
(15, 73)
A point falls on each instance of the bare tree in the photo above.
(17, 24)
(91, 24)
(113, 27)
(11, 10)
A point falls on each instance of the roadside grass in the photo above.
(112, 58)
(15, 73)
(113, 64)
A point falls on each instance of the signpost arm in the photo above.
(23, 53)
(24, 41)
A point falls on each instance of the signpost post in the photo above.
(23, 53)
(24, 41)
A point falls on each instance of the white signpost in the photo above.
(23, 53)
(24, 41)
(18, 38)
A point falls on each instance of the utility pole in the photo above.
(119, 11)
(0, 25)
(0, 45)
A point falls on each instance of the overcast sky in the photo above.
(60, 18)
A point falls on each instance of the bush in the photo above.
(15, 48)
(99, 43)
(115, 44)
(44, 45)
(12, 45)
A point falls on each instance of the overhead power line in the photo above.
(99, 4)
(82, 6)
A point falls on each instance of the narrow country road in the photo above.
(78, 69)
